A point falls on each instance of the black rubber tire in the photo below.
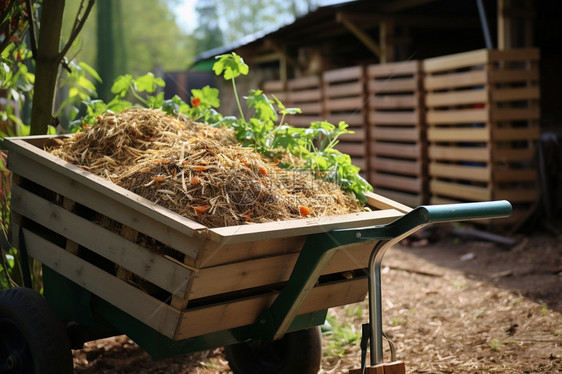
(32, 336)
(298, 352)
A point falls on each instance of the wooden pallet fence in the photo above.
(397, 143)
(344, 100)
(305, 93)
(483, 123)
(277, 89)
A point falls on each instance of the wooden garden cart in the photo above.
(115, 263)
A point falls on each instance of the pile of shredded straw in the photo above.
(198, 171)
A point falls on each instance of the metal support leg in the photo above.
(375, 300)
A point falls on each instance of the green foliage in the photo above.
(314, 145)
(339, 336)
(17, 83)
(266, 132)
(151, 38)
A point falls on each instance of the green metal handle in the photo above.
(426, 214)
(467, 211)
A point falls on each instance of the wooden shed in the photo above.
(447, 99)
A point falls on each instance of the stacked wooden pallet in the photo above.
(397, 132)
(483, 122)
(306, 94)
(344, 100)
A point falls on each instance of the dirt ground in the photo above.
(451, 304)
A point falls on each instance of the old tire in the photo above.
(297, 352)
(32, 337)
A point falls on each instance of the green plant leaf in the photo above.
(208, 96)
(231, 65)
(121, 85)
(90, 70)
(148, 83)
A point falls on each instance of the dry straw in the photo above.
(198, 171)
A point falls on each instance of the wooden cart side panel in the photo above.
(247, 233)
(213, 254)
(87, 179)
(141, 306)
(141, 261)
(271, 270)
(242, 312)
(90, 196)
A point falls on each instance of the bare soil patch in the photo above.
(450, 306)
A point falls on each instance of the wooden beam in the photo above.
(398, 5)
(360, 34)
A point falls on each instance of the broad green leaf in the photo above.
(90, 71)
(121, 85)
(208, 96)
(231, 65)
(148, 83)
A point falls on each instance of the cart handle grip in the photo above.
(466, 211)
(426, 214)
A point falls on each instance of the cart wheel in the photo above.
(32, 337)
(297, 352)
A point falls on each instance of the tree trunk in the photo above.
(47, 64)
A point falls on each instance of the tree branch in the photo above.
(31, 25)
(77, 27)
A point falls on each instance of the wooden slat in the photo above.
(409, 199)
(393, 69)
(213, 254)
(258, 231)
(311, 108)
(349, 103)
(305, 96)
(394, 118)
(411, 151)
(125, 207)
(471, 173)
(465, 97)
(393, 101)
(352, 149)
(515, 134)
(517, 195)
(456, 134)
(150, 311)
(199, 321)
(301, 120)
(343, 74)
(515, 93)
(456, 61)
(397, 166)
(455, 80)
(397, 134)
(378, 86)
(274, 86)
(383, 202)
(461, 191)
(395, 182)
(342, 90)
(515, 175)
(515, 114)
(354, 119)
(141, 261)
(445, 117)
(509, 155)
(271, 270)
(516, 54)
(511, 76)
(478, 154)
(305, 82)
